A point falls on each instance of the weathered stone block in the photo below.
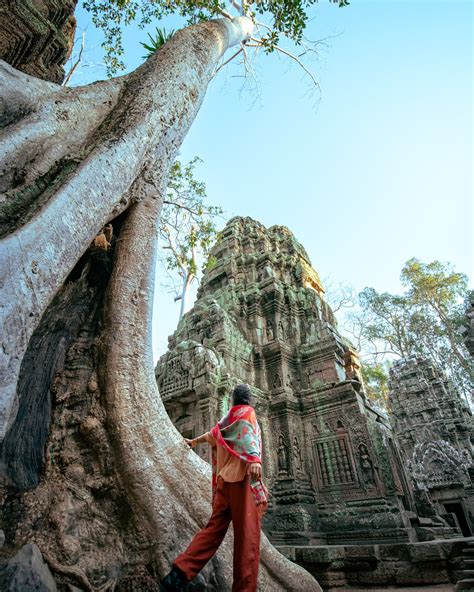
(422, 552)
(288, 551)
(319, 554)
(27, 572)
(363, 552)
(36, 37)
(394, 552)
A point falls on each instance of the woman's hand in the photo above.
(255, 470)
(190, 443)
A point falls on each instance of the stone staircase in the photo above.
(466, 583)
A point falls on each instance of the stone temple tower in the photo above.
(433, 427)
(329, 457)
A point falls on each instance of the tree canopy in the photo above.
(283, 19)
(425, 320)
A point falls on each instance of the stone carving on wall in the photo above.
(276, 381)
(270, 330)
(37, 37)
(366, 467)
(439, 464)
(282, 455)
(433, 428)
(298, 463)
(266, 272)
(281, 330)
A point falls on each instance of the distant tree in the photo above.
(376, 382)
(187, 227)
(425, 320)
(440, 294)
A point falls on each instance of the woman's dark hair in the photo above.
(241, 395)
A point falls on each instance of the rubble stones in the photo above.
(27, 571)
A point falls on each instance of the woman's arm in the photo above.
(199, 440)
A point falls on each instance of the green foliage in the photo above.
(287, 18)
(211, 263)
(438, 286)
(375, 377)
(188, 224)
(425, 320)
(387, 318)
(161, 37)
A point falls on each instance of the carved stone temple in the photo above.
(433, 426)
(37, 37)
(334, 472)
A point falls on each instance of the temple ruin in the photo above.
(329, 456)
(433, 427)
(37, 37)
(343, 503)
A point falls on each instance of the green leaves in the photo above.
(161, 37)
(375, 377)
(425, 320)
(435, 283)
(188, 224)
(287, 18)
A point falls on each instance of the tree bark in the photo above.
(76, 159)
(94, 471)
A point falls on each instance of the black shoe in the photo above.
(175, 581)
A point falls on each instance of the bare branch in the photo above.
(182, 206)
(300, 63)
(77, 62)
(172, 248)
(292, 56)
(227, 61)
(224, 13)
(238, 7)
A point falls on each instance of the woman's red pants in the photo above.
(233, 501)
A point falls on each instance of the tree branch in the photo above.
(292, 57)
(227, 61)
(78, 61)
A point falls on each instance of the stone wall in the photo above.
(411, 564)
(36, 36)
(434, 430)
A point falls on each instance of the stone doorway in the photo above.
(457, 509)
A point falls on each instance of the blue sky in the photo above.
(371, 172)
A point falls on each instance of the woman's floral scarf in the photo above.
(239, 433)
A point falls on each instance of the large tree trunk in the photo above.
(94, 471)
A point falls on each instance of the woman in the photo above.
(238, 494)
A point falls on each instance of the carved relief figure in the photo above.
(282, 455)
(265, 272)
(281, 330)
(276, 381)
(270, 330)
(297, 456)
(366, 466)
